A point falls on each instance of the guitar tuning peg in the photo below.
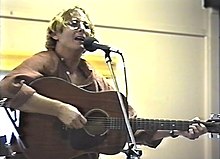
(214, 117)
(214, 136)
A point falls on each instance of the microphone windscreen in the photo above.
(88, 43)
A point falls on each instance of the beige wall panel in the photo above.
(166, 15)
(20, 39)
(23, 37)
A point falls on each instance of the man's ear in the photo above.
(54, 36)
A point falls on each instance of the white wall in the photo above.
(171, 50)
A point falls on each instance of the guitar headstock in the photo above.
(214, 126)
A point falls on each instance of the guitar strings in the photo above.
(155, 124)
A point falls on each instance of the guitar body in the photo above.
(47, 138)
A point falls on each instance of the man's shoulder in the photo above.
(46, 54)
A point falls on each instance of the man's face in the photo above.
(74, 32)
(79, 20)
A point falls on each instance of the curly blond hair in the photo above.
(59, 22)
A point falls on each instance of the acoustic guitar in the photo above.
(105, 132)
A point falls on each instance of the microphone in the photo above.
(91, 44)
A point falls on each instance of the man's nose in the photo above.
(82, 26)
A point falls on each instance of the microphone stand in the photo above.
(132, 152)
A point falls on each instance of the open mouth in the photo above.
(80, 38)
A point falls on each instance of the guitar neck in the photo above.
(156, 124)
(153, 124)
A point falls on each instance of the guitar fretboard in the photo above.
(138, 124)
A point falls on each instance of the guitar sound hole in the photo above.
(96, 122)
(93, 134)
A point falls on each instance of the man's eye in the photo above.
(74, 23)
